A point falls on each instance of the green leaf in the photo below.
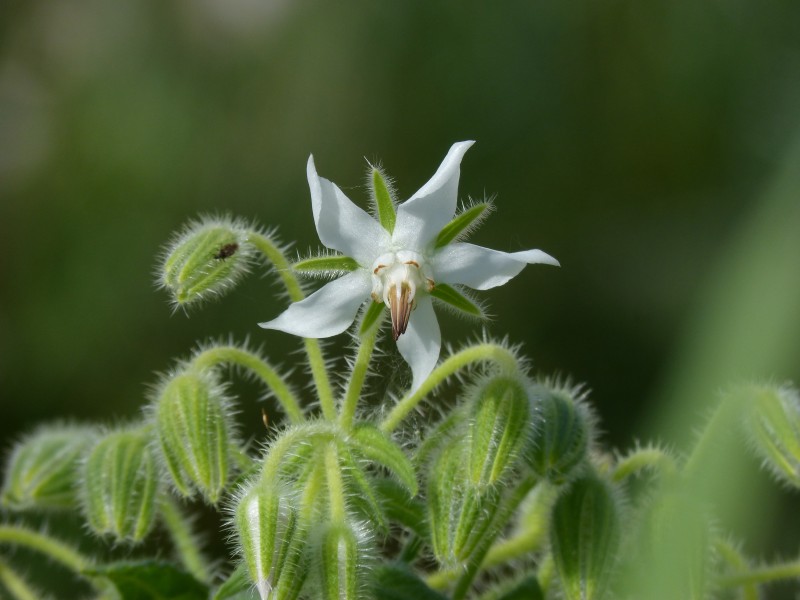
(371, 315)
(395, 581)
(456, 299)
(372, 443)
(325, 265)
(383, 201)
(151, 580)
(526, 588)
(461, 223)
(237, 586)
(400, 507)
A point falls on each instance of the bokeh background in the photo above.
(653, 147)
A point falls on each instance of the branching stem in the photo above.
(55, 549)
(185, 541)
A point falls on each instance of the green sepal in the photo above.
(370, 442)
(371, 315)
(383, 201)
(585, 537)
(456, 299)
(400, 507)
(445, 480)
(499, 425)
(119, 485)
(339, 563)
(461, 223)
(42, 469)
(362, 492)
(476, 511)
(236, 587)
(151, 580)
(325, 265)
(396, 581)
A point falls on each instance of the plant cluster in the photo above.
(502, 493)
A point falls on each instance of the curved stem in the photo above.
(495, 353)
(15, 585)
(359, 374)
(183, 538)
(55, 549)
(282, 445)
(255, 364)
(313, 349)
(734, 558)
(644, 458)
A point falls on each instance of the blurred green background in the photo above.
(652, 147)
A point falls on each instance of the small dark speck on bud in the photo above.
(226, 251)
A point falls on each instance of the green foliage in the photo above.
(150, 580)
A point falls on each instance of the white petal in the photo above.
(328, 311)
(342, 225)
(482, 268)
(422, 341)
(421, 217)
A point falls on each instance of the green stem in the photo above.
(184, 540)
(333, 474)
(282, 445)
(734, 558)
(15, 585)
(500, 519)
(716, 429)
(313, 348)
(644, 458)
(503, 357)
(242, 459)
(58, 551)
(789, 570)
(359, 374)
(255, 364)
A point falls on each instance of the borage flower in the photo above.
(402, 258)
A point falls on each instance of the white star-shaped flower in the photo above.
(400, 259)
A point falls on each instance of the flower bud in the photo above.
(585, 537)
(340, 562)
(561, 438)
(119, 485)
(272, 542)
(205, 261)
(41, 471)
(500, 424)
(772, 424)
(193, 425)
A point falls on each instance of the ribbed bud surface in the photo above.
(42, 469)
(119, 485)
(193, 426)
(205, 261)
(271, 541)
(584, 538)
(772, 424)
(339, 562)
(561, 438)
(500, 424)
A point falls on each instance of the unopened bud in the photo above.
(772, 424)
(205, 261)
(585, 537)
(42, 468)
(194, 424)
(340, 562)
(561, 438)
(272, 542)
(500, 424)
(119, 485)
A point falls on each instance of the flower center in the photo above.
(396, 277)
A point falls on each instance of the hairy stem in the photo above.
(333, 474)
(218, 355)
(486, 352)
(59, 551)
(185, 541)
(359, 374)
(15, 585)
(641, 459)
(787, 570)
(734, 558)
(313, 350)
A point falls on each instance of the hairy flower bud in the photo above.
(119, 485)
(772, 425)
(194, 424)
(340, 562)
(500, 424)
(42, 467)
(585, 537)
(561, 440)
(206, 260)
(271, 541)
